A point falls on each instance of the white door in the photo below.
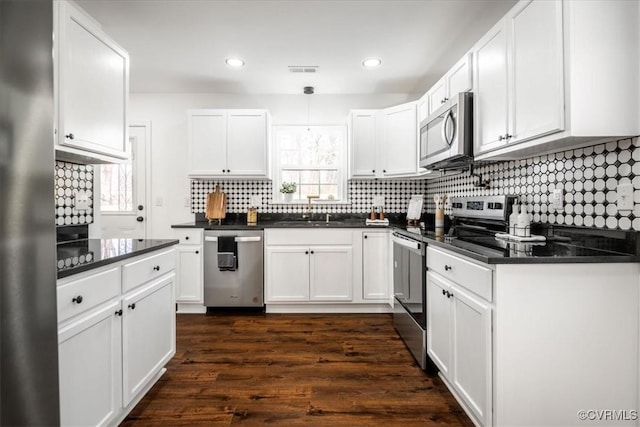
(363, 143)
(90, 367)
(148, 335)
(123, 189)
(287, 273)
(331, 273)
(375, 266)
(207, 143)
(401, 139)
(439, 323)
(189, 281)
(247, 143)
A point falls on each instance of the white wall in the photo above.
(167, 114)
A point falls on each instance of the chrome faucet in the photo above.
(307, 216)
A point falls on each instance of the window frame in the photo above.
(342, 166)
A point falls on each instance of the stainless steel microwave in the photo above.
(446, 136)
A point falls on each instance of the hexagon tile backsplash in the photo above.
(69, 178)
(588, 177)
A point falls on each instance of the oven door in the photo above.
(409, 276)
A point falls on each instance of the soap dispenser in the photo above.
(524, 223)
(513, 219)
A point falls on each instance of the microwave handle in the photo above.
(448, 117)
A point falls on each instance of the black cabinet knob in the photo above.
(78, 299)
(374, 171)
(366, 237)
(132, 306)
(444, 292)
(119, 313)
(186, 238)
(69, 136)
(384, 171)
(139, 219)
(156, 268)
(311, 252)
(447, 267)
(306, 252)
(197, 252)
(140, 207)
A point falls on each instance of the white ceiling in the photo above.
(181, 45)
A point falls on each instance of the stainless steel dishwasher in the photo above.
(234, 275)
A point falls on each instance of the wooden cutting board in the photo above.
(216, 205)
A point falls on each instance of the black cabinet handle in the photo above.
(306, 252)
(311, 252)
(447, 267)
(140, 207)
(69, 136)
(366, 237)
(374, 171)
(186, 238)
(444, 292)
(156, 268)
(78, 299)
(139, 219)
(197, 252)
(119, 313)
(132, 306)
(449, 294)
(384, 171)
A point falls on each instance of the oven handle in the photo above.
(407, 243)
(237, 239)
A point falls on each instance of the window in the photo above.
(312, 157)
(116, 185)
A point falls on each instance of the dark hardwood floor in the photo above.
(289, 370)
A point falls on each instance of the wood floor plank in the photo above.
(294, 370)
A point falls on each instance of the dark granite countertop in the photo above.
(86, 254)
(239, 222)
(569, 245)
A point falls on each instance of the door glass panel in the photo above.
(116, 184)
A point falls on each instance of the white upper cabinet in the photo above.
(91, 86)
(458, 79)
(362, 134)
(556, 75)
(384, 143)
(228, 143)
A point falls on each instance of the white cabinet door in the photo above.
(207, 142)
(247, 143)
(490, 91)
(375, 265)
(460, 77)
(148, 334)
(401, 140)
(287, 273)
(536, 75)
(471, 363)
(363, 143)
(331, 273)
(439, 327)
(423, 107)
(437, 95)
(92, 80)
(189, 284)
(90, 368)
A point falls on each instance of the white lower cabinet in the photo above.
(459, 338)
(148, 335)
(375, 265)
(111, 353)
(90, 367)
(309, 273)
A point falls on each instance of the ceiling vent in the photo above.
(303, 69)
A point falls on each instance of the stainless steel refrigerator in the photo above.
(28, 320)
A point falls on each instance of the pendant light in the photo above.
(308, 90)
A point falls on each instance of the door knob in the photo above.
(140, 207)
(139, 219)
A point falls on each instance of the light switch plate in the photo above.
(558, 199)
(81, 201)
(625, 197)
(159, 201)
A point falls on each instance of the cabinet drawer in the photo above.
(188, 236)
(467, 274)
(80, 295)
(144, 269)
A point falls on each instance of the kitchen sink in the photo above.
(301, 223)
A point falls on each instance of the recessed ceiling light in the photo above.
(234, 62)
(371, 62)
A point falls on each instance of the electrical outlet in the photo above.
(159, 201)
(256, 201)
(81, 201)
(558, 199)
(625, 197)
